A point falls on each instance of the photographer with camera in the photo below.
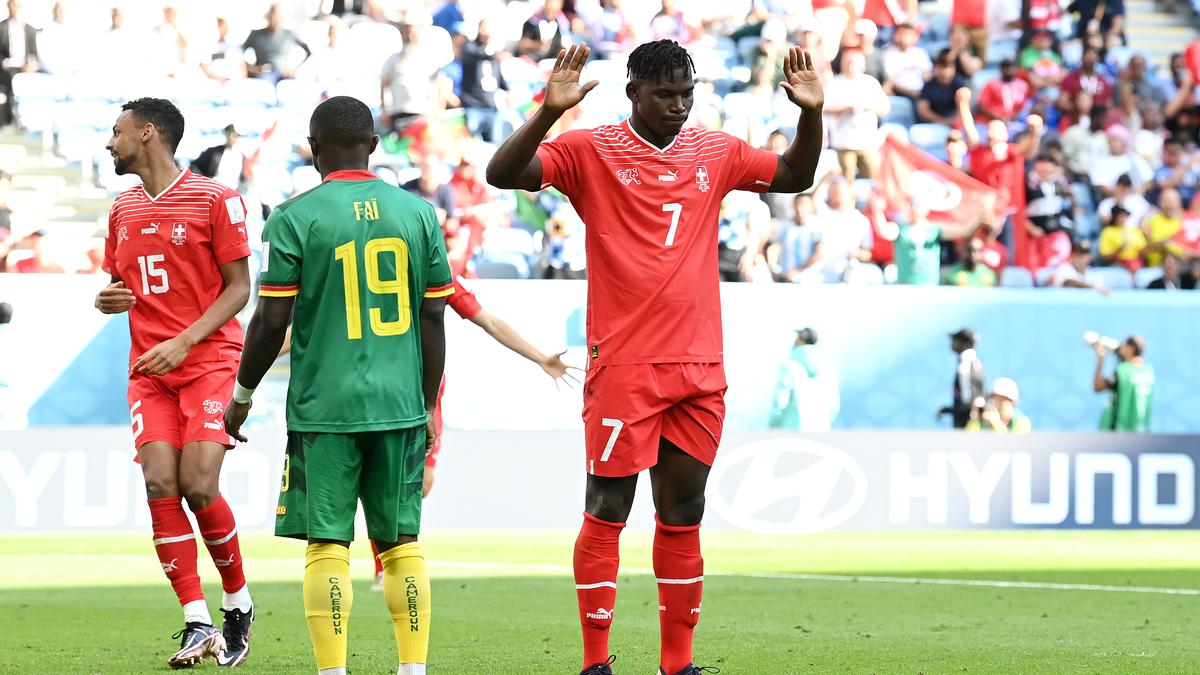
(999, 411)
(1131, 384)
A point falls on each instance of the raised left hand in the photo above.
(235, 417)
(162, 358)
(801, 81)
(555, 368)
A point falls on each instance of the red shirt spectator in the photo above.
(1044, 14)
(1087, 79)
(1004, 97)
(970, 13)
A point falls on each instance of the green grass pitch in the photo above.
(504, 603)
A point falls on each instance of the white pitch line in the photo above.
(912, 581)
(783, 576)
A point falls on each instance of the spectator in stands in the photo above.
(1173, 278)
(412, 84)
(1086, 78)
(1131, 385)
(1122, 241)
(1182, 112)
(801, 250)
(1106, 17)
(845, 232)
(1150, 136)
(41, 262)
(854, 102)
(999, 412)
(995, 254)
(1178, 170)
(223, 163)
(906, 65)
(431, 187)
(1119, 161)
(225, 59)
(1083, 136)
(968, 377)
(477, 206)
(766, 67)
(18, 54)
(966, 59)
(971, 17)
(1077, 273)
(937, 103)
(612, 31)
(918, 249)
(742, 231)
(168, 46)
(93, 256)
(861, 35)
(1045, 15)
(807, 395)
(1126, 197)
(274, 49)
(1187, 240)
(956, 150)
(545, 32)
(780, 203)
(971, 272)
(334, 62)
(1049, 203)
(670, 24)
(1042, 64)
(1004, 98)
(1135, 89)
(482, 84)
(1162, 225)
(58, 43)
(450, 17)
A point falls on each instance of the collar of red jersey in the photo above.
(350, 174)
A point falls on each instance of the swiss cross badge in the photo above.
(179, 234)
(702, 179)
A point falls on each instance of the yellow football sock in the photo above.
(328, 596)
(406, 589)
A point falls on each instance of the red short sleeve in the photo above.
(560, 159)
(749, 168)
(463, 302)
(229, 238)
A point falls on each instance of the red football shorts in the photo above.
(627, 409)
(431, 458)
(184, 406)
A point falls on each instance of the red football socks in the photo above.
(219, 531)
(175, 544)
(378, 562)
(597, 556)
(679, 571)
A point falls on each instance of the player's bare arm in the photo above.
(165, 356)
(503, 333)
(115, 298)
(264, 338)
(798, 164)
(433, 359)
(515, 164)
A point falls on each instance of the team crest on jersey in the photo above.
(702, 179)
(179, 234)
(213, 407)
(627, 176)
(122, 234)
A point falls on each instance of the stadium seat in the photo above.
(1143, 277)
(96, 89)
(497, 270)
(502, 241)
(1043, 276)
(1016, 277)
(38, 86)
(1000, 50)
(746, 47)
(301, 94)
(200, 92)
(896, 131)
(250, 91)
(929, 137)
(1072, 53)
(982, 77)
(365, 89)
(864, 274)
(937, 28)
(314, 33)
(901, 112)
(862, 190)
(1115, 278)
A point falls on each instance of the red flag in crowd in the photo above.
(906, 172)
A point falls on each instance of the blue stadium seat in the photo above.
(982, 77)
(39, 86)
(300, 94)
(199, 93)
(1016, 277)
(252, 91)
(937, 28)
(1115, 278)
(1072, 53)
(497, 270)
(1144, 276)
(1043, 276)
(895, 130)
(929, 137)
(902, 112)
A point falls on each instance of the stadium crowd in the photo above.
(1089, 146)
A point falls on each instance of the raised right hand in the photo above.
(562, 89)
(115, 298)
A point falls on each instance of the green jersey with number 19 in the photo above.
(360, 256)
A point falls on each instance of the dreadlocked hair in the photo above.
(658, 60)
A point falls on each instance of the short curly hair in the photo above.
(163, 114)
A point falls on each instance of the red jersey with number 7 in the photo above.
(650, 216)
(168, 250)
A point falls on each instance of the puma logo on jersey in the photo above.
(669, 177)
(153, 229)
(627, 176)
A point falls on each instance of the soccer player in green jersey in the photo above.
(359, 266)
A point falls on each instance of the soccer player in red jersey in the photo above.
(466, 305)
(177, 253)
(649, 192)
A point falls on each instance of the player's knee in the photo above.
(158, 487)
(682, 513)
(610, 507)
(200, 496)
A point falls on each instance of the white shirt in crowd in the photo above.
(907, 68)
(854, 129)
